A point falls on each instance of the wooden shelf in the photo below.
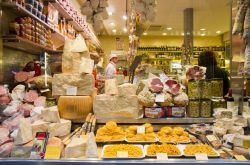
(21, 11)
(24, 12)
(18, 43)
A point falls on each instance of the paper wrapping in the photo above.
(240, 16)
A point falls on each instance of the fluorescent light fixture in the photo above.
(218, 31)
(169, 28)
(112, 23)
(125, 30)
(203, 34)
(114, 30)
(110, 13)
(125, 17)
(145, 33)
(182, 34)
(164, 34)
(202, 29)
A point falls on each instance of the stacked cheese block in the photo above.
(125, 104)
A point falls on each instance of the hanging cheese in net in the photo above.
(75, 108)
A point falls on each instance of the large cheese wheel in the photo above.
(75, 108)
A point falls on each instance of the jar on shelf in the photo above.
(205, 108)
(248, 87)
(217, 87)
(218, 102)
(193, 108)
(199, 89)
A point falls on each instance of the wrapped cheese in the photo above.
(181, 100)
(108, 107)
(39, 126)
(167, 100)
(75, 108)
(83, 82)
(22, 151)
(236, 130)
(127, 89)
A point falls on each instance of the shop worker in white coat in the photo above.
(111, 71)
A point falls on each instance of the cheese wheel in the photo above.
(75, 108)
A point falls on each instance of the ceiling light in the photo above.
(203, 34)
(169, 28)
(202, 29)
(114, 30)
(218, 31)
(164, 34)
(182, 34)
(145, 33)
(125, 17)
(110, 13)
(112, 23)
(125, 30)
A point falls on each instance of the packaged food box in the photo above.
(174, 111)
(155, 112)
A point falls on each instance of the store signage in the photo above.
(71, 90)
(159, 98)
(141, 129)
(201, 156)
(162, 156)
(122, 154)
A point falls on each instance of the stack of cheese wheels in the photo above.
(75, 108)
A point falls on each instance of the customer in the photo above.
(111, 71)
(207, 59)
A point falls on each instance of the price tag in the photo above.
(159, 98)
(240, 158)
(141, 129)
(163, 77)
(162, 156)
(122, 154)
(211, 138)
(53, 152)
(71, 90)
(201, 156)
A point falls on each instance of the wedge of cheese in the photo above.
(39, 126)
(76, 148)
(59, 129)
(51, 114)
(24, 134)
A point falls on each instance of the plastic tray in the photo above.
(144, 142)
(174, 156)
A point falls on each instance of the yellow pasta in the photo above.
(170, 149)
(192, 149)
(133, 151)
(175, 135)
(110, 132)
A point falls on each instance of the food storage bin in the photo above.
(154, 112)
(205, 108)
(218, 102)
(34, 11)
(31, 2)
(43, 17)
(217, 87)
(39, 14)
(193, 108)
(40, 6)
(36, 4)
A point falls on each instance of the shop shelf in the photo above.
(160, 121)
(20, 10)
(18, 43)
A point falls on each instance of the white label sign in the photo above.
(211, 138)
(162, 156)
(201, 156)
(71, 90)
(159, 98)
(141, 129)
(122, 154)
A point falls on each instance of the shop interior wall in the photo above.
(109, 42)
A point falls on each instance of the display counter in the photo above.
(113, 162)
